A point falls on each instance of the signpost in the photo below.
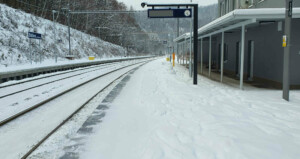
(32, 35)
(177, 12)
(170, 13)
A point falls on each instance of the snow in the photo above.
(59, 142)
(159, 114)
(50, 63)
(21, 101)
(14, 43)
(16, 138)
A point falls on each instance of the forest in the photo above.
(120, 29)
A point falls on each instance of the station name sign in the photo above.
(169, 13)
(33, 35)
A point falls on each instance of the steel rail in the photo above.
(17, 115)
(58, 79)
(82, 68)
(77, 110)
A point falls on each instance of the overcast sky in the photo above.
(137, 3)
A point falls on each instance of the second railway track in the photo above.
(17, 88)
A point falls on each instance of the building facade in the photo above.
(250, 41)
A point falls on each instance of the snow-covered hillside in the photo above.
(14, 41)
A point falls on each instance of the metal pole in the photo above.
(185, 52)
(69, 30)
(177, 42)
(201, 56)
(190, 60)
(222, 57)
(40, 51)
(34, 57)
(195, 43)
(242, 57)
(54, 30)
(30, 51)
(191, 46)
(287, 51)
(99, 33)
(209, 67)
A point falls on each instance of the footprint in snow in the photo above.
(45, 92)
(27, 99)
(14, 104)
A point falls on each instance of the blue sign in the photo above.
(33, 35)
(170, 13)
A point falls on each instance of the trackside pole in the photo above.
(69, 32)
(40, 51)
(30, 51)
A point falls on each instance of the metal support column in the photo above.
(185, 52)
(209, 67)
(40, 51)
(222, 57)
(69, 31)
(177, 53)
(195, 44)
(54, 31)
(201, 56)
(30, 51)
(287, 50)
(191, 36)
(242, 56)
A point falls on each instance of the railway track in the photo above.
(128, 68)
(30, 108)
(26, 80)
(82, 71)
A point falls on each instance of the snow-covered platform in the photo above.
(20, 72)
(160, 114)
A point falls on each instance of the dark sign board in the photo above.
(33, 35)
(290, 14)
(165, 42)
(169, 13)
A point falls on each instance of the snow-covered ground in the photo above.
(19, 136)
(14, 42)
(52, 62)
(160, 115)
(13, 104)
